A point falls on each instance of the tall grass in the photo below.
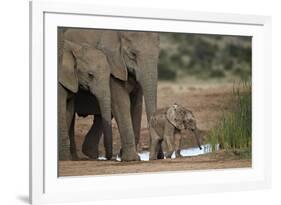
(235, 128)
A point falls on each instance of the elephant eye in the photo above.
(91, 75)
(133, 55)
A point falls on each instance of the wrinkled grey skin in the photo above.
(164, 125)
(81, 67)
(133, 58)
(87, 104)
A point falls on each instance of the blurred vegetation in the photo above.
(234, 131)
(204, 56)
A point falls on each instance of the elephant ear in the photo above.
(175, 116)
(110, 44)
(67, 71)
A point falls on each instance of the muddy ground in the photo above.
(206, 101)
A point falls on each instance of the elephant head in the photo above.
(140, 51)
(182, 118)
(86, 67)
(135, 54)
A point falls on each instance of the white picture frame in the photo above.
(46, 187)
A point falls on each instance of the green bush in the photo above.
(217, 73)
(200, 55)
(167, 74)
(243, 71)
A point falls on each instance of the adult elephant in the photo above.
(81, 67)
(133, 57)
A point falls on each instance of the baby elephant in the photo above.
(165, 124)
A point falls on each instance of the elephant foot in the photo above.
(108, 156)
(168, 154)
(91, 153)
(65, 155)
(178, 154)
(160, 155)
(129, 155)
(75, 157)
(152, 157)
(73, 153)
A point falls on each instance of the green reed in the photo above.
(234, 131)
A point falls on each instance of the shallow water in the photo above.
(193, 151)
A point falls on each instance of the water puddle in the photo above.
(193, 151)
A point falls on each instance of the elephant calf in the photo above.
(164, 124)
(86, 68)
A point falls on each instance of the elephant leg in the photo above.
(121, 111)
(90, 145)
(73, 150)
(136, 112)
(155, 144)
(177, 143)
(169, 144)
(63, 138)
(160, 154)
(70, 117)
(169, 139)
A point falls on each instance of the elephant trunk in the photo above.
(104, 100)
(197, 137)
(148, 81)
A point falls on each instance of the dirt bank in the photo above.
(220, 160)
